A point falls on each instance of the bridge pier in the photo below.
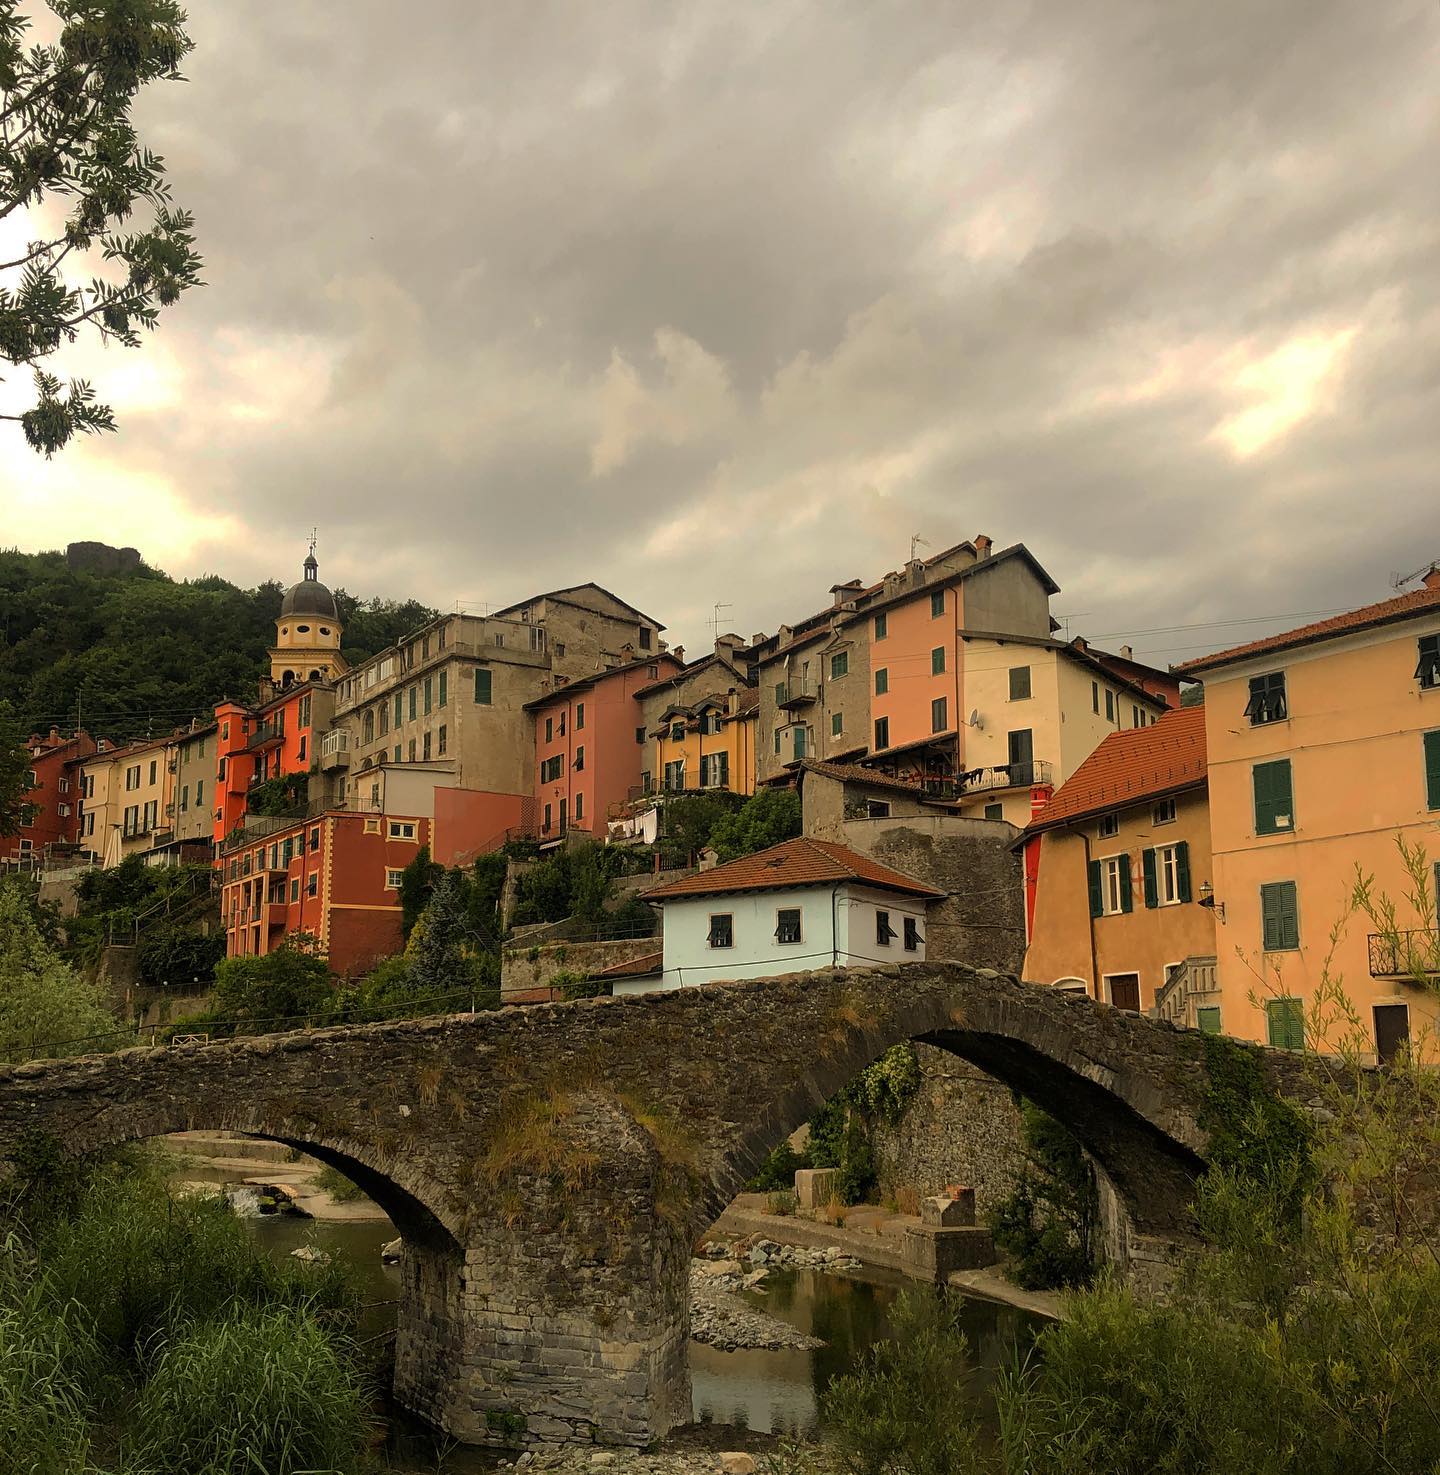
(567, 1320)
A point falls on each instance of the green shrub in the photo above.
(782, 1204)
(778, 1170)
(258, 1389)
(337, 1185)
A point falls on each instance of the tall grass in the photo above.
(257, 1390)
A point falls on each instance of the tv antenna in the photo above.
(715, 618)
(1399, 581)
(916, 541)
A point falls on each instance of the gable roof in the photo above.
(694, 668)
(799, 862)
(559, 596)
(853, 773)
(1130, 767)
(584, 683)
(1405, 607)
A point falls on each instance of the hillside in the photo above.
(138, 652)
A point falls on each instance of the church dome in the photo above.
(309, 596)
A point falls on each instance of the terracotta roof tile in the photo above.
(800, 862)
(640, 967)
(1404, 607)
(853, 773)
(1129, 767)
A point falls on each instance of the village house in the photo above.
(800, 905)
(50, 810)
(1323, 751)
(1117, 872)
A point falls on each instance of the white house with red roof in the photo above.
(799, 905)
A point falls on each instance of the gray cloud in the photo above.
(710, 301)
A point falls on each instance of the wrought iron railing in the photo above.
(1411, 954)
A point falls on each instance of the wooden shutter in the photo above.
(1273, 797)
(1286, 1023)
(1207, 1019)
(1432, 770)
(1279, 917)
(1097, 893)
(1152, 888)
(1127, 891)
(1182, 870)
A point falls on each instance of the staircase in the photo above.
(1192, 984)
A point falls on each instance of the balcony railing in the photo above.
(267, 735)
(1414, 954)
(795, 694)
(1005, 776)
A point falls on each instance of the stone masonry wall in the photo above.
(526, 979)
(961, 1127)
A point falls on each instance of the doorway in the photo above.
(1392, 1030)
(1022, 756)
(1125, 990)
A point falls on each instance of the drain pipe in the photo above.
(1094, 955)
(834, 925)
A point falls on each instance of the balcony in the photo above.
(267, 735)
(1005, 776)
(1412, 956)
(274, 914)
(792, 694)
(335, 750)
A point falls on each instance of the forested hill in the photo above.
(141, 653)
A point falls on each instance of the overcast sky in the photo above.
(725, 302)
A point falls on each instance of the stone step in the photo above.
(212, 1144)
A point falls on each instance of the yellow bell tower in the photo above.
(307, 633)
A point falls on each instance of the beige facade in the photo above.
(1313, 795)
(194, 787)
(125, 793)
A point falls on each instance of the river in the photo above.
(771, 1392)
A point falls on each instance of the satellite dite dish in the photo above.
(975, 720)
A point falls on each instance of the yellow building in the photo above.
(307, 632)
(127, 797)
(1323, 751)
(1116, 867)
(699, 725)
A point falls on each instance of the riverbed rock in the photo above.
(737, 1462)
(392, 1251)
(723, 1321)
(310, 1255)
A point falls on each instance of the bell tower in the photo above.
(307, 632)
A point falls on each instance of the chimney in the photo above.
(846, 591)
(727, 646)
(679, 653)
(982, 546)
(916, 569)
(732, 702)
(1126, 653)
(1432, 577)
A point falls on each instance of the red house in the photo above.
(50, 810)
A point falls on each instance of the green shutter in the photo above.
(1273, 797)
(1182, 869)
(1127, 890)
(1097, 894)
(1285, 1021)
(483, 686)
(1279, 916)
(1207, 1019)
(1432, 770)
(1152, 889)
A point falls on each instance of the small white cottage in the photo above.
(802, 904)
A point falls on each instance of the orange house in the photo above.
(1116, 866)
(273, 740)
(1324, 751)
(590, 745)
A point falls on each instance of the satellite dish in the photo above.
(975, 721)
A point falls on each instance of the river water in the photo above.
(775, 1392)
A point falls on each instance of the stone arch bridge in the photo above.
(550, 1167)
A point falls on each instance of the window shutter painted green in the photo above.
(1182, 870)
(1152, 890)
(1207, 1019)
(1432, 770)
(1285, 1020)
(1127, 890)
(1274, 799)
(1279, 916)
(1097, 894)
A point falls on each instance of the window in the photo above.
(1431, 748)
(1108, 827)
(1167, 874)
(782, 693)
(912, 935)
(440, 638)
(384, 718)
(1274, 801)
(677, 733)
(652, 672)
(444, 693)
(645, 637)
(482, 686)
(1267, 699)
(709, 724)
(315, 838)
(549, 729)
(579, 757)
(1163, 813)
(579, 808)
(939, 714)
(1095, 696)
(89, 824)
(399, 710)
(561, 728)
(287, 851)
(777, 741)
(882, 681)
(1019, 683)
(372, 826)
(722, 930)
(1285, 1023)
(547, 816)
(153, 770)
(884, 932)
(367, 727)
(882, 733)
(312, 884)
(393, 878)
(429, 684)
(877, 809)
(132, 777)
(1110, 887)
(184, 798)
(787, 925)
(295, 888)
(402, 829)
(801, 741)
(579, 716)
(426, 747)
(839, 665)
(1427, 670)
(640, 735)
(714, 770)
(1109, 705)
(199, 792)
(837, 723)
(1279, 917)
(560, 649)
(1135, 718)
(937, 661)
(937, 604)
(424, 647)
(413, 699)
(882, 627)
(994, 811)
(410, 750)
(396, 757)
(1207, 1019)
(552, 768)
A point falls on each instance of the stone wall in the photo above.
(961, 1127)
(525, 978)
